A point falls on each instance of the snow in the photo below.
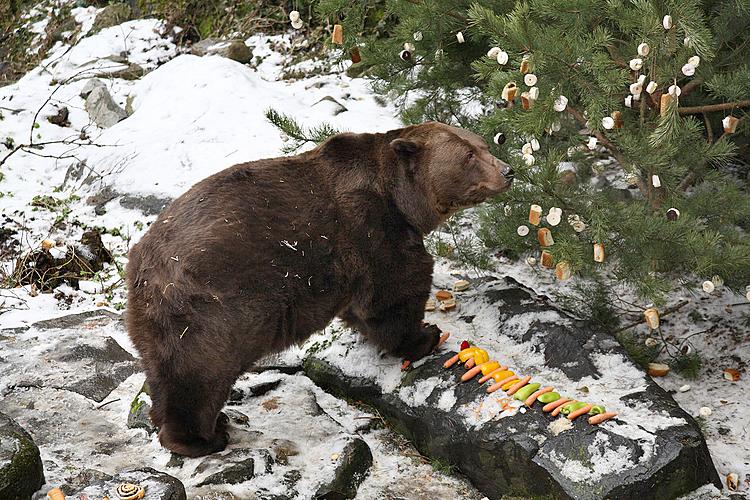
(604, 459)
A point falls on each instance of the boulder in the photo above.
(330, 106)
(91, 84)
(653, 449)
(236, 50)
(234, 474)
(111, 15)
(354, 463)
(21, 471)
(158, 485)
(102, 109)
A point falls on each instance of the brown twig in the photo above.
(709, 128)
(666, 312)
(690, 110)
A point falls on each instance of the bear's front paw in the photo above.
(420, 344)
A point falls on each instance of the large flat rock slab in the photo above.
(652, 450)
(288, 437)
(76, 353)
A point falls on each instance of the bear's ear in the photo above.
(404, 147)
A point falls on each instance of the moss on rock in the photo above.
(21, 470)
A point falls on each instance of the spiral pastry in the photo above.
(128, 491)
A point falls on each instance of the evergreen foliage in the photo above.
(582, 49)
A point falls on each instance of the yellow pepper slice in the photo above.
(468, 353)
(489, 366)
(510, 384)
(502, 375)
(481, 357)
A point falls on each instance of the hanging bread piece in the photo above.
(547, 259)
(544, 236)
(338, 34)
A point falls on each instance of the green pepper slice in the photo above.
(596, 410)
(548, 397)
(526, 391)
(571, 407)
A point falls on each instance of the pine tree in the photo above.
(653, 172)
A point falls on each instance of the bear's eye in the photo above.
(469, 158)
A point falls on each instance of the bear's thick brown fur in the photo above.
(259, 256)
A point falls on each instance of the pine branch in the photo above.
(296, 133)
(606, 143)
(450, 12)
(666, 312)
(689, 110)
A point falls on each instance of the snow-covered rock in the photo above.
(653, 449)
(236, 50)
(102, 109)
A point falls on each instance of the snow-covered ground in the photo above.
(192, 116)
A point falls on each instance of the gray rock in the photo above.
(234, 474)
(91, 84)
(89, 365)
(353, 464)
(101, 198)
(83, 479)
(21, 471)
(330, 106)
(102, 109)
(111, 15)
(518, 454)
(158, 485)
(236, 49)
(148, 205)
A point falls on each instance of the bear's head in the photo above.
(444, 169)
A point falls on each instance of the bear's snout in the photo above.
(499, 176)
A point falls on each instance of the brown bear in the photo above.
(259, 256)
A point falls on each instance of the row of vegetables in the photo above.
(478, 361)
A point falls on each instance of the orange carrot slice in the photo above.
(531, 399)
(471, 374)
(498, 385)
(554, 404)
(580, 411)
(442, 340)
(469, 364)
(602, 417)
(520, 384)
(451, 361)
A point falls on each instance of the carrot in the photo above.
(498, 385)
(520, 384)
(471, 374)
(580, 411)
(469, 364)
(489, 375)
(531, 399)
(405, 365)
(451, 361)
(602, 417)
(554, 404)
(442, 340)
